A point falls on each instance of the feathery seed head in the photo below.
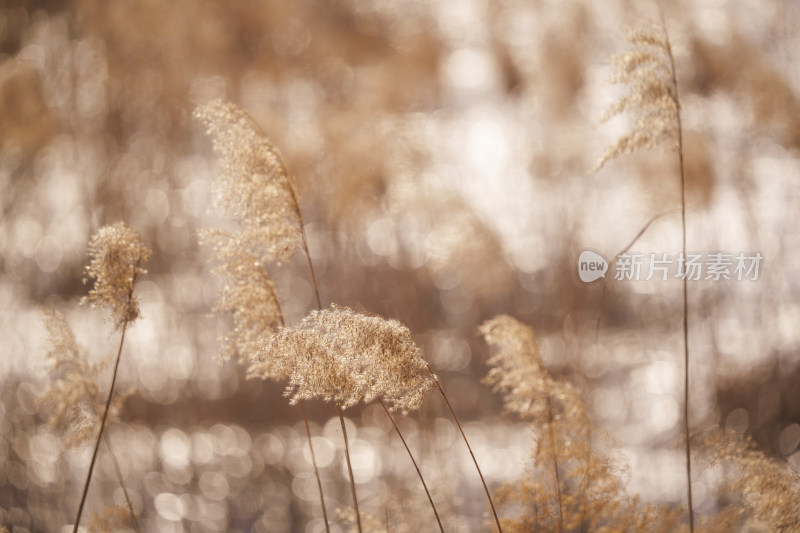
(768, 490)
(516, 366)
(253, 186)
(652, 98)
(255, 189)
(72, 394)
(116, 256)
(111, 519)
(568, 485)
(248, 293)
(343, 356)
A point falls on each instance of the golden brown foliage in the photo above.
(346, 357)
(116, 254)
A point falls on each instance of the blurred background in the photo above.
(442, 150)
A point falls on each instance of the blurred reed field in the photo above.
(313, 266)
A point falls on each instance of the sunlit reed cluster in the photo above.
(346, 357)
(250, 462)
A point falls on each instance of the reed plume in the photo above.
(255, 190)
(346, 357)
(342, 356)
(569, 485)
(652, 98)
(116, 255)
(72, 391)
(648, 69)
(765, 491)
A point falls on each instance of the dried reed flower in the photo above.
(112, 519)
(255, 189)
(116, 254)
(569, 486)
(248, 293)
(768, 490)
(253, 186)
(649, 69)
(518, 374)
(343, 356)
(72, 392)
(652, 98)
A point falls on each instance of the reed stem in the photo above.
(686, 426)
(316, 470)
(349, 467)
(472, 454)
(319, 307)
(424, 485)
(102, 428)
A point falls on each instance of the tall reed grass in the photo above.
(340, 359)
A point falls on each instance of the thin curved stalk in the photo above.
(314, 462)
(319, 306)
(471, 453)
(674, 81)
(311, 448)
(349, 467)
(102, 428)
(614, 260)
(122, 482)
(115, 462)
(424, 485)
(552, 432)
(305, 248)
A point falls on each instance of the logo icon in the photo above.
(591, 266)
